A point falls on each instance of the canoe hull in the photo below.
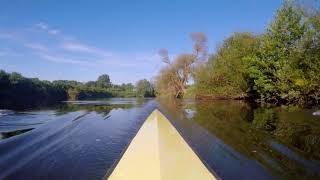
(159, 152)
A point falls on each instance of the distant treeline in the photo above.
(281, 65)
(17, 91)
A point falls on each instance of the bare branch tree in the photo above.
(164, 55)
(173, 79)
(200, 43)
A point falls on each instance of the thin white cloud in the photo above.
(42, 26)
(64, 49)
(93, 62)
(59, 59)
(84, 48)
(69, 46)
(37, 46)
(45, 27)
(54, 31)
(78, 47)
(9, 35)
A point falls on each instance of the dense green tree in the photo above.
(286, 66)
(4, 79)
(128, 86)
(225, 73)
(91, 84)
(144, 88)
(306, 62)
(17, 91)
(66, 84)
(104, 81)
(279, 66)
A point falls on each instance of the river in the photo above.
(84, 139)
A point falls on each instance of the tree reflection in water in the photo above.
(22, 123)
(283, 140)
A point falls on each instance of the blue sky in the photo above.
(79, 40)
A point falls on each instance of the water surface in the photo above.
(75, 140)
(84, 139)
(239, 140)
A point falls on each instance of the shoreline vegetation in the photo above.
(19, 92)
(278, 66)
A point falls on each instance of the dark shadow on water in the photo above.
(4, 135)
(246, 141)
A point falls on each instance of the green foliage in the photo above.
(144, 88)
(225, 72)
(280, 66)
(190, 92)
(83, 92)
(19, 92)
(95, 89)
(287, 65)
(103, 81)
(65, 84)
(124, 90)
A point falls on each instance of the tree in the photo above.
(306, 61)
(66, 84)
(225, 73)
(144, 88)
(104, 81)
(280, 69)
(127, 87)
(174, 77)
(18, 92)
(91, 84)
(4, 79)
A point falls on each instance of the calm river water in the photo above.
(83, 139)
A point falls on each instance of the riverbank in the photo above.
(279, 66)
(19, 92)
(218, 97)
(276, 102)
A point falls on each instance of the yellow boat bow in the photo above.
(159, 152)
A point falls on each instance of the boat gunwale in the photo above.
(166, 115)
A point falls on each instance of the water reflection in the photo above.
(15, 123)
(74, 140)
(83, 139)
(101, 108)
(240, 140)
